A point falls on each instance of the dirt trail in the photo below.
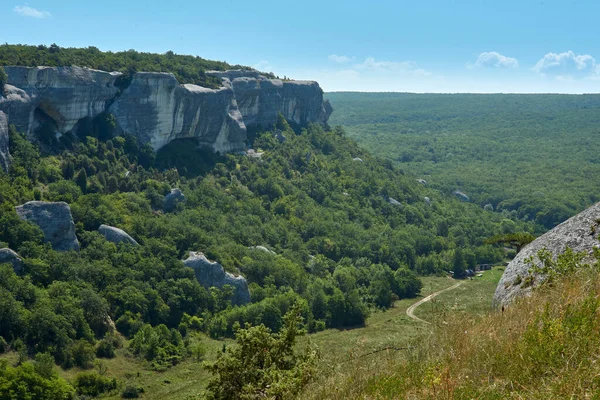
(411, 310)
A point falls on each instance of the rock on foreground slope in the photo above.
(579, 233)
(55, 221)
(155, 107)
(211, 273)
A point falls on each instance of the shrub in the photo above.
(105, 349)
(263, 364)
(82, 354)
(131, 392)
(94, 384)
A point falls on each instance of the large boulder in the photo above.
(55, 221)
(116, 235)
(211, 273)
(8, 256)
(4, 154)
(461, 196)
(174, 197)
(579, 233)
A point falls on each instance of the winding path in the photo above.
(410, 311)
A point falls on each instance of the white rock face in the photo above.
(64, 94)
(157, 110)
(579, 233)
(155, 107)
(260, 99)
(4, 154)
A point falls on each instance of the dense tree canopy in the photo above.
(531, 156)
(186, 68)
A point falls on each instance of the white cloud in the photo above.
(27, 11)
(263, 65)
(403, 67)
(567, 64)
(495, 60)
(339, 59)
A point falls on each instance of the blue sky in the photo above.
(417, 46)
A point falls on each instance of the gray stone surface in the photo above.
(262, 248)
(461, 196)
(579, 233)
(260, 100)
(211, 273)
(156, 108)
(4, 153)
(394, 202)
(116, 235)
(55, 221)
(8, 256)
(427, 200)
(64, 95)
(174, 197)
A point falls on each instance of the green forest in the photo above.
(350, 234)
(533, 156)
(186, 68)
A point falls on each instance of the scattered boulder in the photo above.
(174, 197)
(254, 154)
(427, 200)
(262, 248)
(488, 207)
(357, 159)
(394, 202)
(8, 256)
(211, 273)
(422, 181)
(579, 233)
(55, 221)
(116, 235)
(461, 196)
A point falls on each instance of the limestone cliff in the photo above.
(4, 154)
(155, 107)
(260, 99)
(579, 233)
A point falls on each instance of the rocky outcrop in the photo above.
(260, 99)
(8, 256)
(55, 221)
(116, 235)
(174, 197)
(155, 107)
(263, 249)
(393, 201)
(61, 96)
(461, 196)
(4, 154)
(211, 274)
(580, 233)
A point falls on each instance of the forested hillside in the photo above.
(186, 68)
(349, 234)
(535, 156)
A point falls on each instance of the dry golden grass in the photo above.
(543, 347)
